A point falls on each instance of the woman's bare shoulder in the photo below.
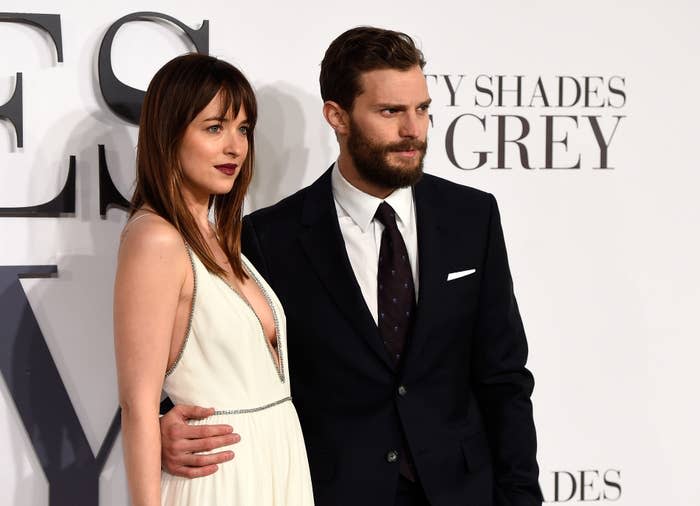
(147, 233)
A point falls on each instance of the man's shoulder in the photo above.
(447, 192)
(281, 208)
(315, 199)
(454, 194)
(285, 212)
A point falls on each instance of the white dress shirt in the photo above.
(363, 234)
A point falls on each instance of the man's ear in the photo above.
(336, 117)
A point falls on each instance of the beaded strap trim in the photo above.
(270, 303)
(189, 322)
(252, 410)
(280, 338)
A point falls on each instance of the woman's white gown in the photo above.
(226, 363)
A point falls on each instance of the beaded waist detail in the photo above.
(252, 410)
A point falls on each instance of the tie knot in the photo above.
(386, 215)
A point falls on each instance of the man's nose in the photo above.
(410, 126)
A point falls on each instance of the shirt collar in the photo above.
(362, 206)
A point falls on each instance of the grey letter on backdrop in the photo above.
(41, 399)
(63, 203)
(51, 23)
(124, 100)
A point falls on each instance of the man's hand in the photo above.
(180, 442)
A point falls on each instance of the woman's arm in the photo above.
(150, 276)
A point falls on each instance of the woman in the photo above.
(191, 315)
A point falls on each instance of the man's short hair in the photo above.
(359, 50)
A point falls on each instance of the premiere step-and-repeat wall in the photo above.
(582, 119)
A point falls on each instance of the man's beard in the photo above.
(371, 160)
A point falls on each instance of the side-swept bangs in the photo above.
(177, 93)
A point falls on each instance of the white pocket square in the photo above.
(460, 274)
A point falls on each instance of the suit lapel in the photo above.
(432, 240)
(323, 243)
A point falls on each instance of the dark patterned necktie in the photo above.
(396, 303)
(396, 300)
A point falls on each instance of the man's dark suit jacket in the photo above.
(462, 394)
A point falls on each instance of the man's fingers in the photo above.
(193, 412)
(182, 444)
(207, 444)
(193, 472)
(210, 459)
(200, 431)
(188, 465)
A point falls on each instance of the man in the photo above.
(407, 353)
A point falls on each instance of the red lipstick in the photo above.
(227, 168)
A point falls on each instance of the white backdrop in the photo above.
(602, 259)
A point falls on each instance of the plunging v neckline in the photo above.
(277, 363)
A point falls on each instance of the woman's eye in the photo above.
(215, 129)
(244, 129)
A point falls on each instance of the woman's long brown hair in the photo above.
(178, 92)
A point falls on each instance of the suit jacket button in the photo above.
(392, 456)
(402, 390)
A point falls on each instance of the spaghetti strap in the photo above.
(146, 212)
(131, 220)
(172, 367)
